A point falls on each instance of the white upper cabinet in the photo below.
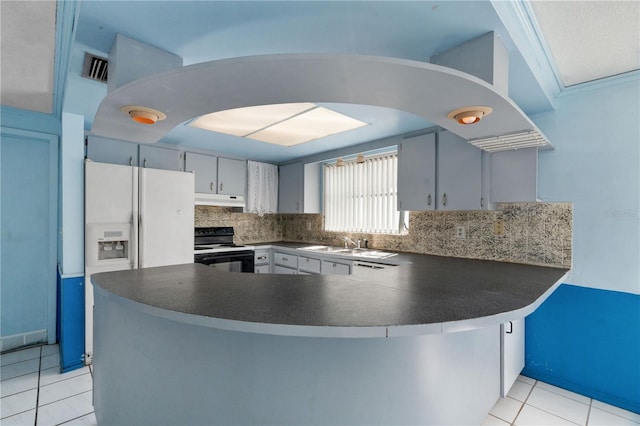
(417, 173)
(439, 171)
(290, 188)
(232, 176)
(459, 177)
(130, 154)
(205, 168)
(112, 151)
(156, 157)
(217, 175)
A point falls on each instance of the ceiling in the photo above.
(27, 56)
(590, 40)
(583, 40)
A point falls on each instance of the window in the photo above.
(362, 197)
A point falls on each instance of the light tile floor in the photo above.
(531, 402)
(35, 393)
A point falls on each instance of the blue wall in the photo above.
(29, 230)
(588, 341)
(70, 325)
(595, 166)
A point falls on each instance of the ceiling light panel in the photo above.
(245, 121)
(310, 125)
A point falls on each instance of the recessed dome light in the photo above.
(143, 115)
(469, 115)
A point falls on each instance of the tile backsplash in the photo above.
(249, 228)
(532, 233)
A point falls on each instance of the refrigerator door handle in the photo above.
(135, 218)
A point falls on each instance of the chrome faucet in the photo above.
(348, 240)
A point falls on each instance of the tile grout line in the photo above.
(548, 412)
(76, 418)
(524, 403)
(566, 396)
(68, 397)
(64, 379)
(589, 411)
(38, 392)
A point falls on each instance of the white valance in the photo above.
(262, 188)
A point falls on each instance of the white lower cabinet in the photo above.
(261, 269)
(278, 269)
(262, 261)
(285, 259)
(330, 267)
(309, 264)
(288, 261)
(511, 353)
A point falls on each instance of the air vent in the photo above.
(519, 140)
(95, 68)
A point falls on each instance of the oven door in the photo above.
(232, 261)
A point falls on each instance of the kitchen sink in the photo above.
(320, 248)
(358, 252)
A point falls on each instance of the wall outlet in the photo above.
(461, 231)
(498, 227)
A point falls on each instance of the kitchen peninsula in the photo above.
(187, 344)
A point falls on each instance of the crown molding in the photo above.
(521, 24)
(614, 80)
(66, 19)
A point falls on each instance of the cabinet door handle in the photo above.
(444, 199)
(429, 199)
(334, 265)
(220, 186)
(131, 161)
(286, 259)
(212, 187)
(144, 163)
(510, 328)
(297, 206)
(481, 201)
(261, 257)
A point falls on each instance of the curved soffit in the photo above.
(426, 90)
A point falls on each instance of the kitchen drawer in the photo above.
(277, 269)
(285, 259)
(335, 268)
(309, 264)
(262, 257)
(261, 269)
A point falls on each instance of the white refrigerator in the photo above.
(134, 218)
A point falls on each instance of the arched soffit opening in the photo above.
(426, 90)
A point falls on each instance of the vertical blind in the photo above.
(361, 197)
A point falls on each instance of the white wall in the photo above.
(595, 165)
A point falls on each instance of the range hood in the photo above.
(222, 200)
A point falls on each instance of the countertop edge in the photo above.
(334, 331)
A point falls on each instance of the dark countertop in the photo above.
(424, 294)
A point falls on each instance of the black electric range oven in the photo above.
(214, 247)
